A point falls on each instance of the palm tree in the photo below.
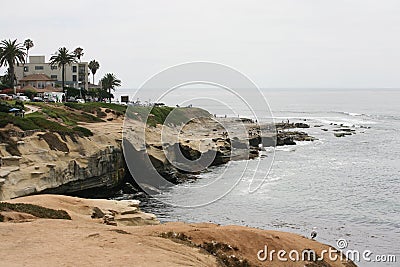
(28, 44)
(109, 82)
(61, 58)
(78, 52)
(94, 66)
(11, 53)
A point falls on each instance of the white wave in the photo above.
(286, 148)
(349, 122)
(353, 114)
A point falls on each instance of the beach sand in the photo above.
(84, 241)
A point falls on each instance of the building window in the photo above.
(54, 77)
(82, 69)
(26, 69)
(40, 85)
(39, 67)
(53, 67)
(74, 78)
(74, 69)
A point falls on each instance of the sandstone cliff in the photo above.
(93, 164)
(50, 162)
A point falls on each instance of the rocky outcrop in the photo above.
(289, 125)
(47, 162)
(178, 163)
(284, 140)
(101, 175)
(101, 211)
(301, 125)
(342, 132)
(50, 163)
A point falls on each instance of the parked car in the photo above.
(37, 99)
(23, 98)
(50, 100)
(80, 100)
(5, 97)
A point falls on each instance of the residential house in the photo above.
(76, 74)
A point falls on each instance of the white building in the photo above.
(76, 74)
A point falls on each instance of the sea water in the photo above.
(346, 187)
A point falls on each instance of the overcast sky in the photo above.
(278, 43)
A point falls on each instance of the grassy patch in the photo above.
(86, 117)
(53, 118)
(44, 124)
(22, 123)
(94, 107)
(37, 211)
(159, 115)
(101, 114)
(5, 106)
(84, 131)
(68, 117)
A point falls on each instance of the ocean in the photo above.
(348, 187)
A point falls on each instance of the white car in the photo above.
(80, 100)
(23, 98)
(5, 97)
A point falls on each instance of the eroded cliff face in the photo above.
(52, 163)
(46, 162)
(100, 176)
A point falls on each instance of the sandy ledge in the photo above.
(84, 241)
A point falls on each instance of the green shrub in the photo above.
(101, 114)
(69, 118)
(84, 107)
(81, 130)
(86, 117)
(23, 123)
(30, 93)
(45, 124)
(37, 211)
(19, 104)
(93, 107)
(5, 107)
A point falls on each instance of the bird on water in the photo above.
(314, 233)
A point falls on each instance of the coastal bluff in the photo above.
(51, 162)
(86, 240)
(91, 163)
